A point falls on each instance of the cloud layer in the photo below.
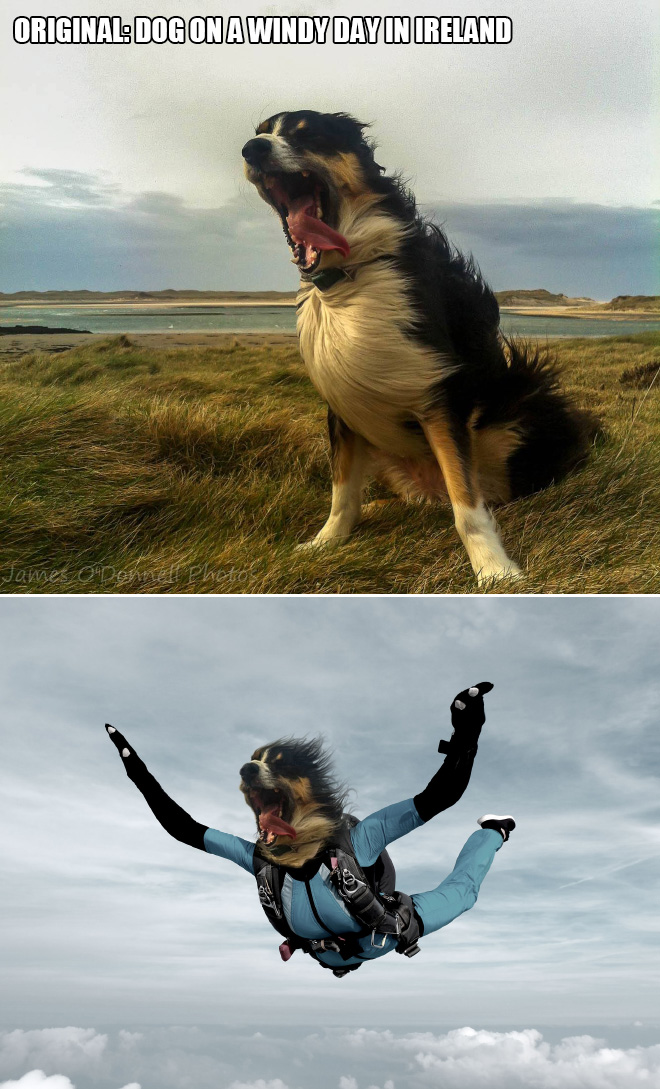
(342, 1059)
(67, 229)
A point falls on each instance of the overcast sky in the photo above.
(121, 164)
(107, 921)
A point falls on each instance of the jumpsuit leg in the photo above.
(458, 892)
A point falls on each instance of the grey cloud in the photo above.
(67, 185)
(80, 230)
(71, 1049)
(158, 204)
(552, 227)
(109, 240)
(574, 248)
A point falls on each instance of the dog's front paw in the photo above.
(489, 575)
(319, 542)
(306, 546)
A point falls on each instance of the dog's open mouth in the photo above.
(303, 204)
(270, 807)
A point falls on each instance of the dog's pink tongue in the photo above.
(311, 231)
(269, 821)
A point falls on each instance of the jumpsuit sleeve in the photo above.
(372, 835)
(237, 850)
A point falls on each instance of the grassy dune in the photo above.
(198, 470)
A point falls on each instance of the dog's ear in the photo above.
(349, 132)
(350, 124)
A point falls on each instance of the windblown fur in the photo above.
(296, 775)
(404, 343)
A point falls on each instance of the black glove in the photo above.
(173, 818)
(134, 767)
(451, 779)
(468, 715)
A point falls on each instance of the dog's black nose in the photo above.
(256, 152)
(249, 772)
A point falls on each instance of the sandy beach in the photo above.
(286, 299)
(163, 307)
(129, 300)
(579, 312)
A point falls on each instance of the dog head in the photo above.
(296, 800)
(309, 167)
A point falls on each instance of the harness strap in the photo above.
(384, 916)
(269, 886)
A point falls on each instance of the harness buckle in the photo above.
(330, 946)
(325, 945)
(350, 886)
(378, 945)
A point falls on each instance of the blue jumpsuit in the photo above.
(456, 894)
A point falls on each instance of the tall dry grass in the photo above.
(198, 471)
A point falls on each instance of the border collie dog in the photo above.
(401, 338)
(297, 802)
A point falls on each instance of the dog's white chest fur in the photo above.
(355, 344)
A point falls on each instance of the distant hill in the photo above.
(169, 295)
(518, 298)
(634, 302)
(538, 297)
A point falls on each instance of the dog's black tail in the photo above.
(556, 434)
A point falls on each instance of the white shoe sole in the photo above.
(494, 817)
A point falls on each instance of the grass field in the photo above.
(129, 469)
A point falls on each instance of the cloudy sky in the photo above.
(110, 928)
(121, 164)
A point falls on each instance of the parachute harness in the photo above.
(379, 914)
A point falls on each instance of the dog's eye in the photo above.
(282, 763)
(301, 132)
(265, 126)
